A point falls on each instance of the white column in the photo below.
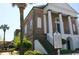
(50, 28)
(70, 24)
(45, 23)
(77, 24)
(61, 24)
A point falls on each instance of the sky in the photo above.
(10, 15)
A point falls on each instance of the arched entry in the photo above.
(69, 43)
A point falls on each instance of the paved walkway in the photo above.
(75, 53)
(5, 53)
(71, 54)
(9, 53)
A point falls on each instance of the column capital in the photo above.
(68, 16)
(49, 10)
(59, 13)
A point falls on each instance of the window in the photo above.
(26, 29)
(39, 25)
(57, 24)
(31, 24)
(58, 27)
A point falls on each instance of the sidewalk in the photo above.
(75, 53)
(5, 53)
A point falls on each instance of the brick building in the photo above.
(40, 25)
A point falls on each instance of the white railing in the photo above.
(39, 47)
(50, 38)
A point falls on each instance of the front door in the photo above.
(68, 44)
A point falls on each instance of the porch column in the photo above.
(70, 24)
(61, 24)
(45, 23)
(50, 28)
(77, 24)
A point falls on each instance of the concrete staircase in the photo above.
(48, 46)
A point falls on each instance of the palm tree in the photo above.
(4, 27)
(21, 7)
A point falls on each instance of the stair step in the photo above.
(48, 47)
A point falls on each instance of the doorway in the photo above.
(69, 43)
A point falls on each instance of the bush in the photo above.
(11, 46)
(26, 45)
(66, 51)
(11, 49)
(16, 41)
(32, 53)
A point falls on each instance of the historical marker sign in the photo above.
(57, 40)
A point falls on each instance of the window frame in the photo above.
(39, 22)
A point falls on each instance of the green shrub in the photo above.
(16, 41)
(66, 51)
(26, 45)
(32, 53)
(11, 49)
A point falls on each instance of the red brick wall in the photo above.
(66, 25)
(39, 31)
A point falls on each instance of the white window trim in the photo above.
(39, 22)
(57, 22)
(31, 21)
(26, 29)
